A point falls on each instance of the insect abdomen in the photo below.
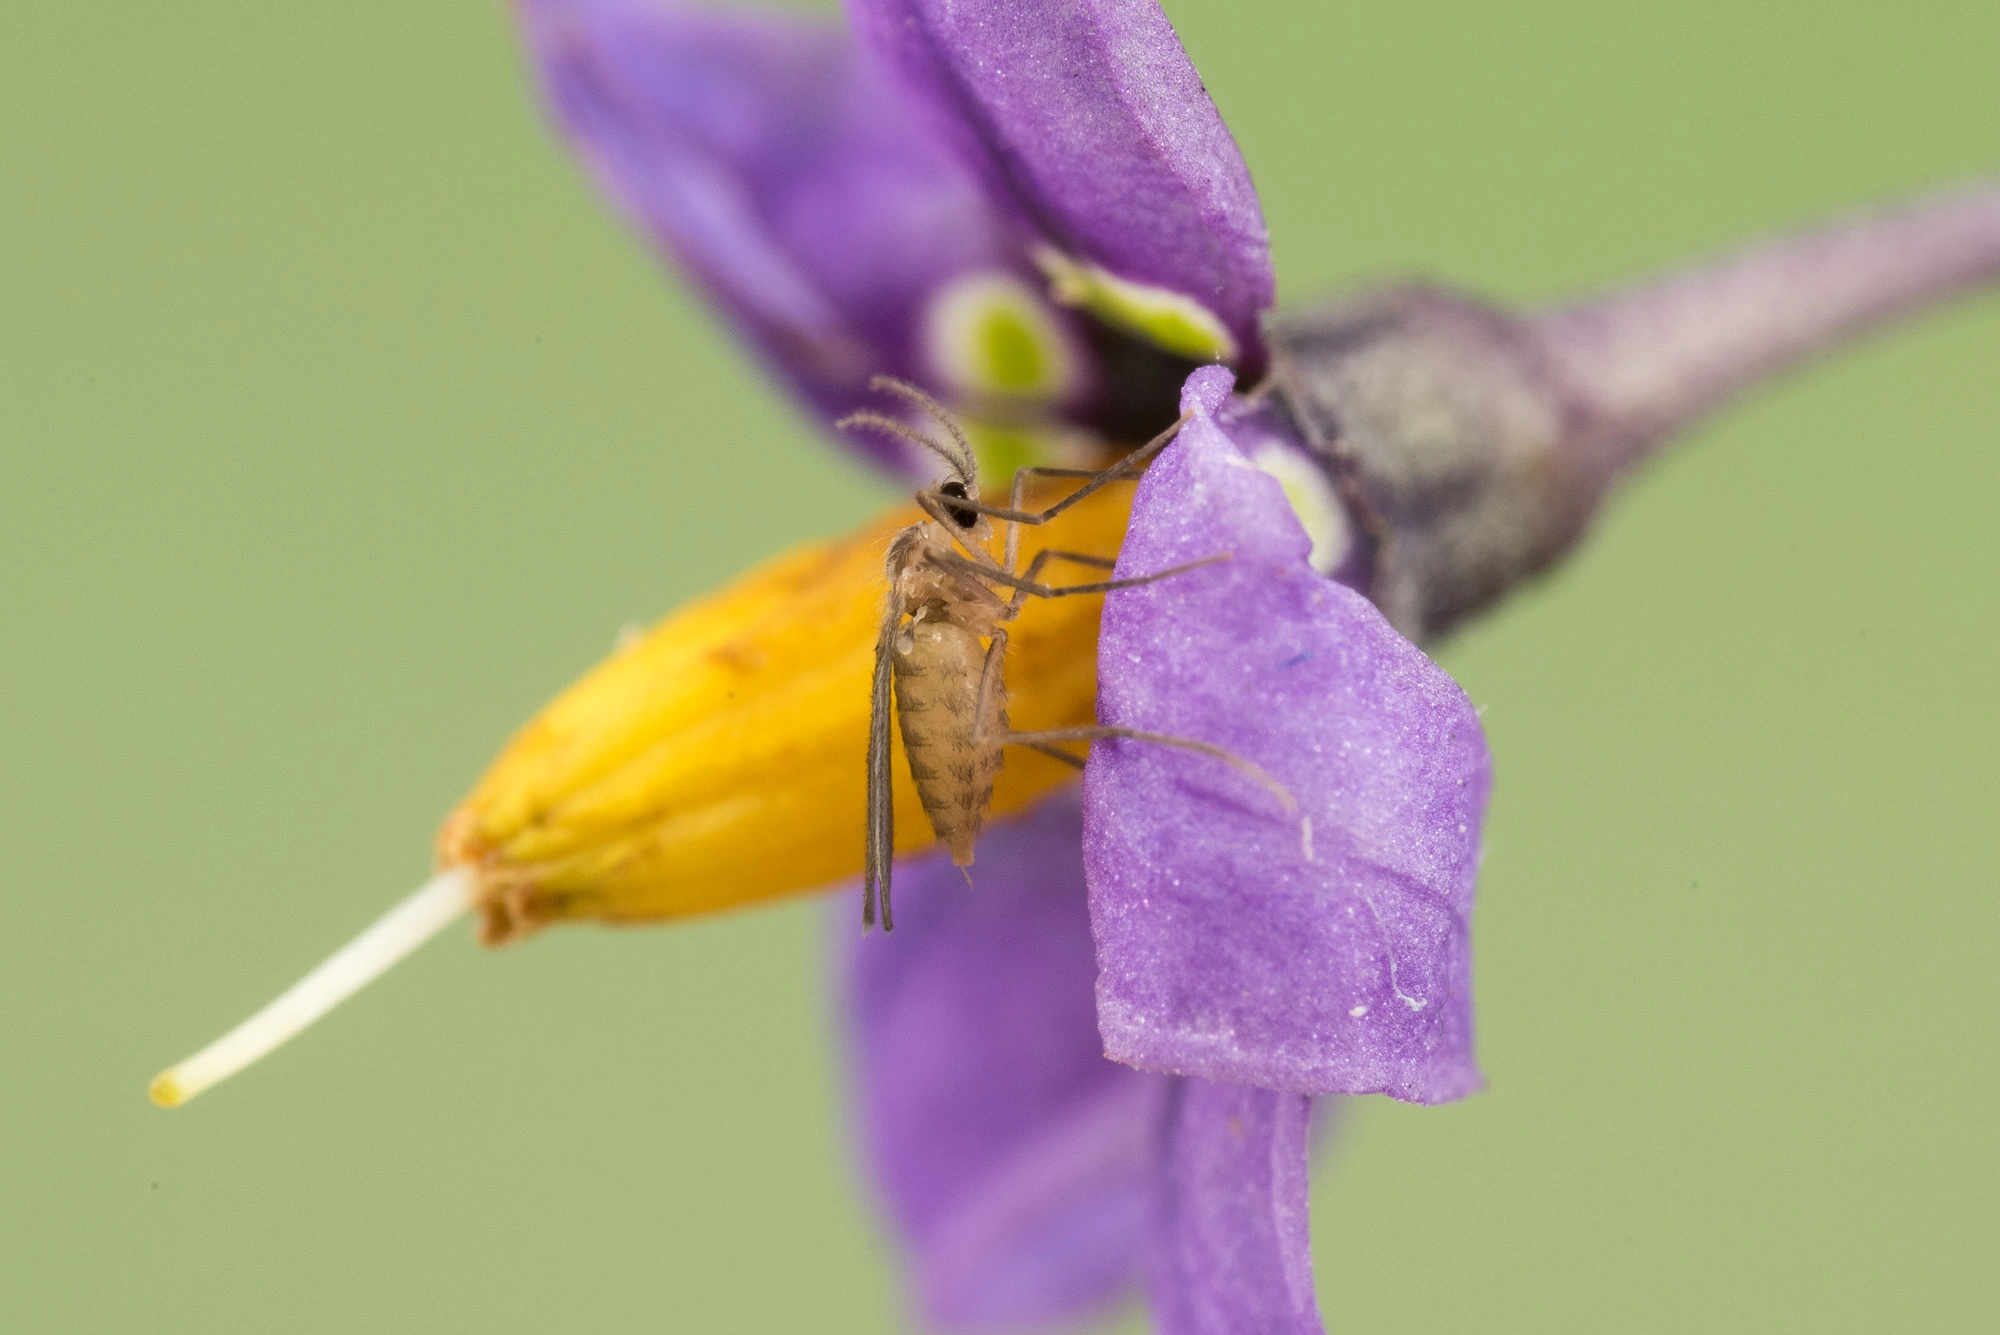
(938, 662)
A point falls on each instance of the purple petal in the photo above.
(1087, 116)
(1014, 1160)
(1230, 1253)
(762, 153)
(1322, 950)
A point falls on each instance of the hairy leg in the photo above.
(1105, 732)
(1034, 589)
(1042, 558)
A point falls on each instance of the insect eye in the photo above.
(954, 490)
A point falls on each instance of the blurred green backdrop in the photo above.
(341, 426)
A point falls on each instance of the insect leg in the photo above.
(1081, 558)
(1103, 732)
(979, 561)
(881, 837)
(1040, 470)
(1042, 558)
(933, 505)
(980, 564)
(1052, 752)
(989, 673)
(959, 564)
(1124, 468)
(1019, 501)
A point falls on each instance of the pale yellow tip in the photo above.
(394, 935)
(166, 1090)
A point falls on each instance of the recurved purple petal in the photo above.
(1015, 1162)
(764, 154)
(1088, 119)
(1322, 949)
(1230, 1252)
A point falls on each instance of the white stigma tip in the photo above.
(395, 934)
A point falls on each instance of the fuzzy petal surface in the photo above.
(1230, 1252)
(1015, 1162)
(763, 154)
(1088, 119)
(1319, 950)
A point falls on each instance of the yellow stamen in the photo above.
(713, 761)
(717, 760)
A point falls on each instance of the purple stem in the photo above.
(1647, 360)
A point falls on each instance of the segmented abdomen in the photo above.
(938, 661)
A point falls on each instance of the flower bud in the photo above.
(1450, 439)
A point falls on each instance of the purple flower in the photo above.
(1098, 1066)
(1034, 210)
(1320, 952)
(1251, 953)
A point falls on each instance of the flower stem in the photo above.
(395, 934)
(1650, 358)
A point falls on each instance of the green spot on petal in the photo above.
(1012, 358)
(1002, 449)
(1166, 318)
(1313, 500)
(991, 336)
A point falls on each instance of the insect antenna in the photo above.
(966, 462)
(904, 431)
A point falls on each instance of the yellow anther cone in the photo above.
(718, 760)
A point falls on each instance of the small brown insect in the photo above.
(943, 646)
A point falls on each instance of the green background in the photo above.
(340, 426)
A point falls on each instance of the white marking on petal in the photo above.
(1395, 982)
(1314, 501)
(1169, 319)
(990, 335)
